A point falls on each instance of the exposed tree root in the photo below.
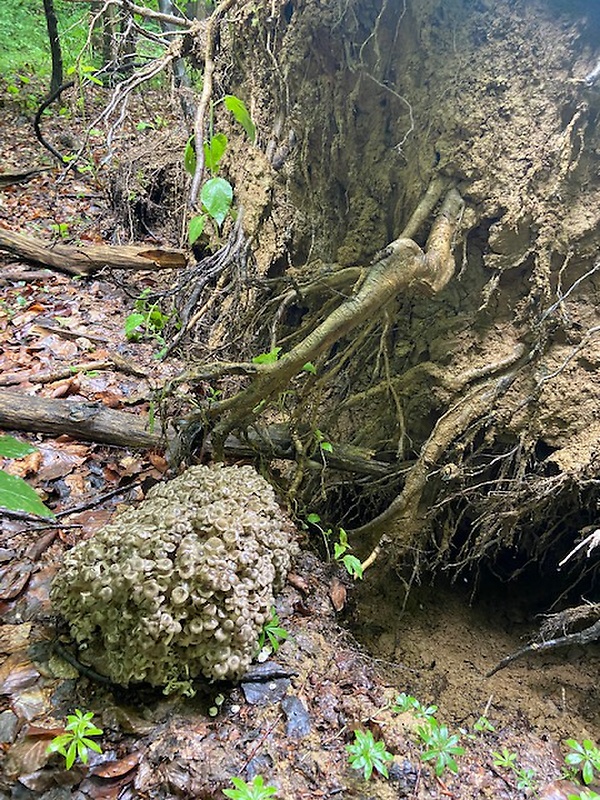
(402, 522)
(402, 266)
(563, 620)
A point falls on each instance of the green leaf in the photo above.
(71, 754)
(132, 323)
(189, 156)
(309, 367)
(327, 447)
(16, 495)
(216, 196)
(353, 566)
(242, 115)
(313, 518)
(267, 358)
(195, 227)
(213, 151)
(339, 550)
(13, 448)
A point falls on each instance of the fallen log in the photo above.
(11, 178)
(91, 421)
(82, 420)
(87, 259)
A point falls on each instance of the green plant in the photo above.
(267, 358)
(584, 757)
(483, 724)
(406, 702)
(216, 195)
(585, 794)
(367, 755)
(525, 776)
(15, 493)
(250, 791)
(273, 633)
(324, 445)
(440, 746)
(75, 742)
(340, 548)
(147, 321)
(60, 228)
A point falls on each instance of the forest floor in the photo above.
(339, 671)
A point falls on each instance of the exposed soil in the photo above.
(441, 648)
(446, 644)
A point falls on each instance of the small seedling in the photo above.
(75, 742)
(440, 746)
(367, 755)
(147, 321)
(250, 791)
(216, 707)
(273, 633)
(352, 564)
(483, 724)
(525, 776)
(60, 228)
(321, 439)
(406, 703)
(584, 757)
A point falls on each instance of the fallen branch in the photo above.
(591, 634)
(82, 420)
(94, 422)
(11, 178)
(85, 260)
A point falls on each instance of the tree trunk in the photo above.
(55, 49)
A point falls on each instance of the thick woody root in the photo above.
(402, 266)
(402, 523)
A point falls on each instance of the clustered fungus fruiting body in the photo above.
(182, 584)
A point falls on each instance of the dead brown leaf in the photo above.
(26, 757)
(58, 462)
(158, 462)
(17, 672)
(32, 703)
(116, 769)
(14, 637)
(337, 593)
(14, 578)
(22, 467)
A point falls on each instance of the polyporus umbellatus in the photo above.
(181, 585)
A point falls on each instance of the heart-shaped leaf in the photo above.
(216, 197)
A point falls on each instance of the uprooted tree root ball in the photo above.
(181, 585)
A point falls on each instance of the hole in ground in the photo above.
(441, 647)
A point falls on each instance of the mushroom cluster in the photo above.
(181, 585)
